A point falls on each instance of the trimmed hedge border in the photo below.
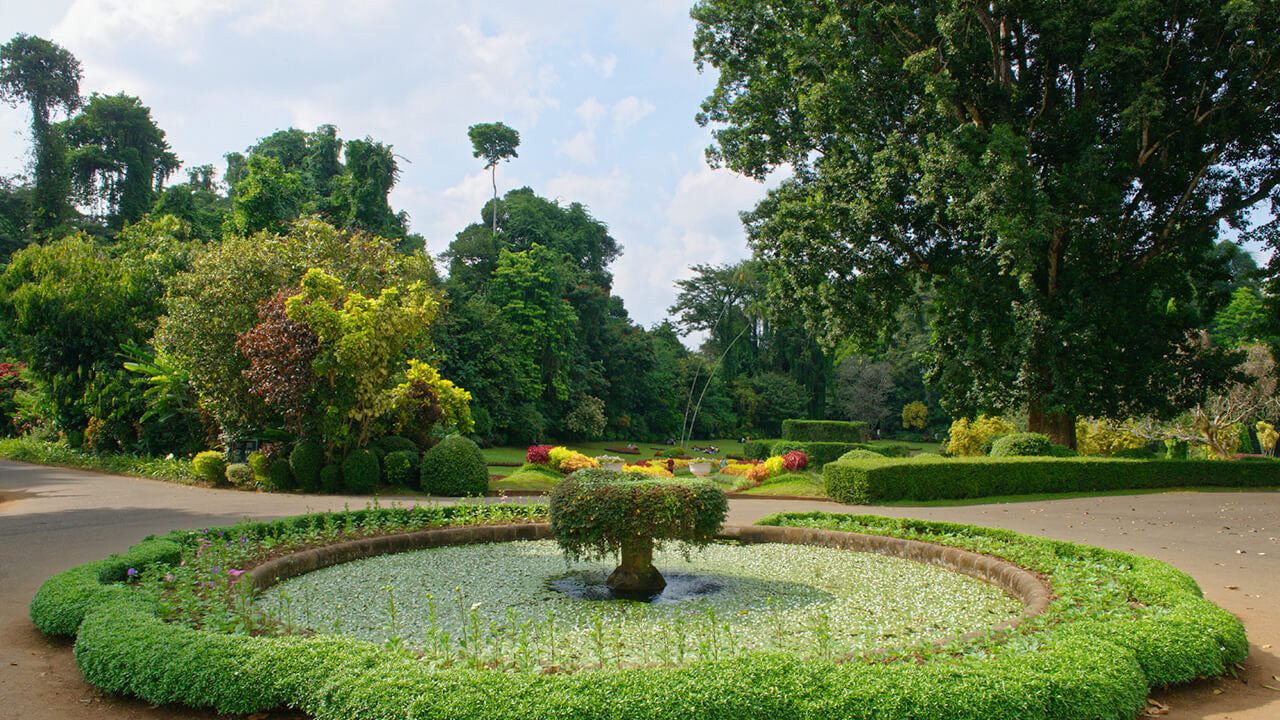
(1083, 659)
(860, 482)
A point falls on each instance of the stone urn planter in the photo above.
(700, 468)
(616, 467)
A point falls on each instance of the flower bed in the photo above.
(1119, 624)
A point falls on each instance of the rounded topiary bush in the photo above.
(240, 475)
(598, 512)
(260, 465)
(454, 467)
(401, 467)
(331, 478)
(210, 465)
(860, 454)
(279, 476)
(1021, 445)
(361, 472)
(396, 443)
(305, 461)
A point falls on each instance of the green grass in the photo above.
(802, 484)
(43, 452)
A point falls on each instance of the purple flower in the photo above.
(133, 572)
(168, 577)
(235, 573)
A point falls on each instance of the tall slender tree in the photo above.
(494, 142)
(46, 77)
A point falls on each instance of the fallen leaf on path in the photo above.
(1233, 587)
(1272, 687)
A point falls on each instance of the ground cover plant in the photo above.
(1118, 625)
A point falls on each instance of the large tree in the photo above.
(495, 142)
(1058, 172)
(119, 158)
(46, 77)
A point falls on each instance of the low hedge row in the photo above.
(872, 480)
(819, 453)
(1120, 625)
(845, 431)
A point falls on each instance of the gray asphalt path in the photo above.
(52, 519)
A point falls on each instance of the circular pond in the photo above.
(522, 605)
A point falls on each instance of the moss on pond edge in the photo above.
(1089, 656)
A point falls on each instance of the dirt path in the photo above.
(52, 519)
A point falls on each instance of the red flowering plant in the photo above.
(795, 461)
(538, 454)
(10, 383)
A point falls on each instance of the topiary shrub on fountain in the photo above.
(596, 512)
(454, 467)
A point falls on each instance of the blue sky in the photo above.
(603, 94)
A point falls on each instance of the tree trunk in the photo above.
(636, 577)
(1059, 427)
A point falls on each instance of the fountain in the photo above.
(595, 513)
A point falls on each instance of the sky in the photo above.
(603, 94)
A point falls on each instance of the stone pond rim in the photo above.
(1033, 592)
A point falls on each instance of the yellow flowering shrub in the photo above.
(647, 470)
(1102, 437)
(735, 468)
(967, 438)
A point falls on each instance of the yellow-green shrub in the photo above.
(1102, 437)
(967, 438)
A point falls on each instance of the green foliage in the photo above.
(396, 443)
(46, 77)
(211, 466)
(824, 431)
(528, 291)
(305, 462)
(330, 479)
(454, 467)
(860, 454)
(70, 304)
(757, 449)
(975, 438)
(361, 471)
(494, 142)
(887, 480)
(1242, 321)
(1093, 666)
(1039, 170)
(118, 157)
(281, 477)
(33, 450)
(215, 301)
(400, 467)
(915, 414)
(593, 511)
(240, 475)
(359, 344)
(259, 464)
(1020, 444)
(820, 453)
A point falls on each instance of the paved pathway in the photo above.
(52, 519)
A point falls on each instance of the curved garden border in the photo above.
(1078, 660)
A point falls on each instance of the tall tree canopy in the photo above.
(118, 157)
(46, 77)
(1058, 172)
(494, 142)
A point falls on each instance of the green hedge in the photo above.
(843, 431)
(820, 453)
(864, 481)
(757, 449)
(454, 467)
(1149, 625)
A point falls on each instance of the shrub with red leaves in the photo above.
(280, 352)
(795, 461)
(538, 454)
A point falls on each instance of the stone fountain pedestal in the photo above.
(636, 577)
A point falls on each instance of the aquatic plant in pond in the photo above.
(595, 513)
(513, 614)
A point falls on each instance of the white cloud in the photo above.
(629, 111)
(604, 65)
(176, 25)
(603, 195)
